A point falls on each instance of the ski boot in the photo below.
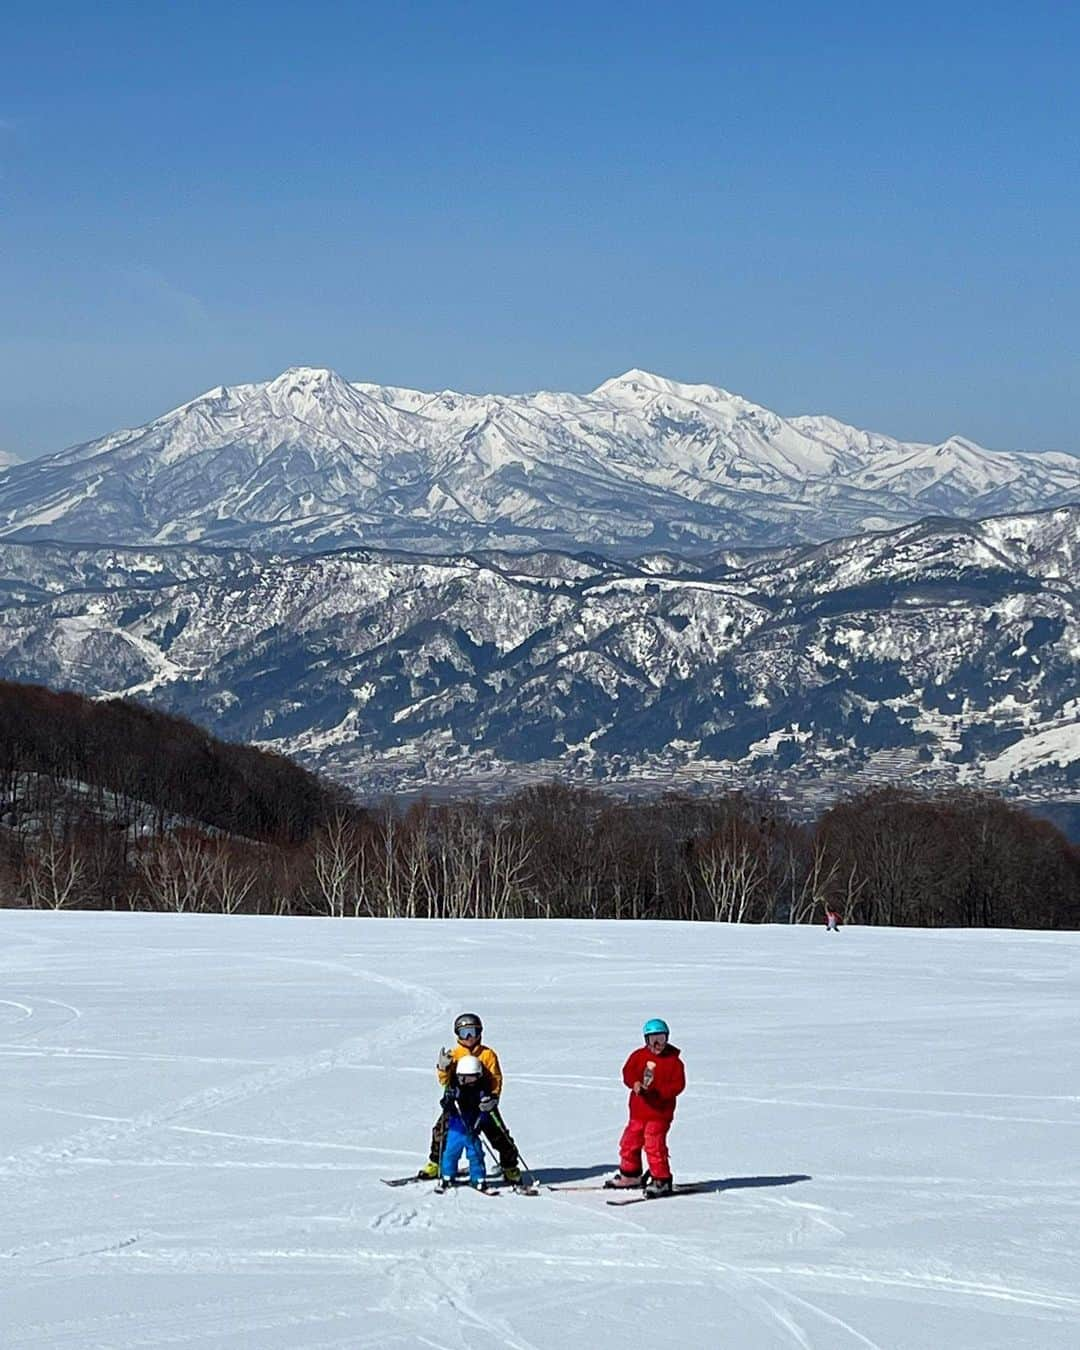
(658, 1186)
(428, 1172)
(624, 1181)
(512, 1176)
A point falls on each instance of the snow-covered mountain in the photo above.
(309, 461)
(944, 648)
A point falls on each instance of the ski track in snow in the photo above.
(44, 1023)
(871, 1185)
(279, 1075)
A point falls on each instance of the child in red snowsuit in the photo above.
(655, 1076)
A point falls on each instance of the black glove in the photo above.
(489, 1103)
(449, 1097)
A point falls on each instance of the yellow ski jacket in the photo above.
(487, 1057)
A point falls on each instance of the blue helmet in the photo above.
(656, 1026)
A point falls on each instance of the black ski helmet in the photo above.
(467, 1020)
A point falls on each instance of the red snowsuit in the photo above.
(651, 1110)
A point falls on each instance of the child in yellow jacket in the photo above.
(469, 1030)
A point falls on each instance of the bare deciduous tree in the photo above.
(53, 874)
(229, 879)
(730, 873)
(175, 869)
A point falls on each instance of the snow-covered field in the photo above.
(196, 1113)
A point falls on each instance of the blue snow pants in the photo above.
(460, 1138)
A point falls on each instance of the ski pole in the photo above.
(494, 1115)
(488, 1145)
(525, 1165)
(502, 1125)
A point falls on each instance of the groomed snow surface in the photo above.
(196, 1113)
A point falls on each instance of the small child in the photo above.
(464, 1120)
(655, 1075)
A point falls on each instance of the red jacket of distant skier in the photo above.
(656, 1102)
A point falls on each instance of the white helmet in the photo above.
(469, 1064)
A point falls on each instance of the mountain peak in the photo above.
(962, 445)
(645, 384)
(646, 379)
(639, 376)
(306, 377)
(304, 390)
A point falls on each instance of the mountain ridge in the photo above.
(944, 651)
(309, 460)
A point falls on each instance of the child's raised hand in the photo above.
(444, 1061)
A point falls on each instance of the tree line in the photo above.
(110, 805)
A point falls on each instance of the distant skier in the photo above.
(832, 921)
(655, 1075)
(463, 1104)
(469, 1030)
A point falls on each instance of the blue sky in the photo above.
(866, 210)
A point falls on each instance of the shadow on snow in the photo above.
(740, 1183)
(550, 1176)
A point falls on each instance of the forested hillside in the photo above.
(111, 805)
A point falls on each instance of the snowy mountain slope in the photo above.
(642, 463)
(941, 643)
(36, 571)
(955, 476)
(199, 1111)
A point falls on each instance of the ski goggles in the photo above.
(468, 1033)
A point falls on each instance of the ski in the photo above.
(689, 1189)
(407, 1181)
(441, 1188)
(576, 1186)
(494, 1187)
(522, 1189)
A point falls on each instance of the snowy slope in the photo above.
(308, 460)
(197, 1112)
